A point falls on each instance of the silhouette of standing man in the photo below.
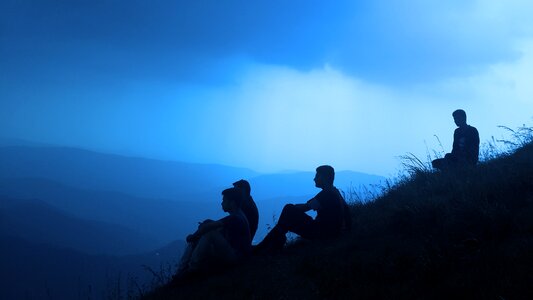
(332, 215)
(465, 151)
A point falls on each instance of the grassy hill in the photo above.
(432, 235)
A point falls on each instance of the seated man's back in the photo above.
(330, 212)
(248, 206)
(466, 144)
(237, 233)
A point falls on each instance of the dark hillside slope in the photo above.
(461, 235)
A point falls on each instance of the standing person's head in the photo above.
(243, 185)
(231, 199)
(459, 117)
(324, 177)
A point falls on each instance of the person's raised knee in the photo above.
(288, 206)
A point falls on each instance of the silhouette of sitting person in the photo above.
(248, 206)
(332, 215)
(217, 243)
(465, 151)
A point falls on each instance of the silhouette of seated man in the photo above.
(217, 243)
(332, 215)
(465, 151)
(248, 206)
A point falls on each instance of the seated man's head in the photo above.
(324, 177)
(231, 199)
(243, 185)
(459, 117)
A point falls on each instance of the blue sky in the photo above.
(268, 85)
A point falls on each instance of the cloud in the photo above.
(502, 93)
(276, 117)
(289, 119)
(279, 118)
(405, 42)
(162, 39)
(268, 85)
(388, 42)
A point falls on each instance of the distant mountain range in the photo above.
(301, 183)
(36, 221)
(158, 220)
(161, 199)
(108, 172)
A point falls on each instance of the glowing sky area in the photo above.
(267, 85)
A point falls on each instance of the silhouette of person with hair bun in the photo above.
(248, 206)
(217, 243)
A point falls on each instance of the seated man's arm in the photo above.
(311, 204)
(304, 207)
(204, 228)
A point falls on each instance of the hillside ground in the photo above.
(466, 234)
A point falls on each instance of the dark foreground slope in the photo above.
(461, 235)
